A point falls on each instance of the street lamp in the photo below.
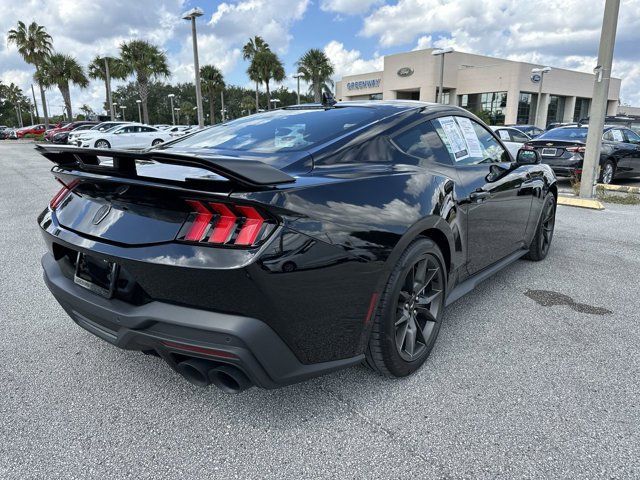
(276, 101)
(538, 73)
(139, 102)
(442, 52)
(297, 77)
(192, 15)
(173, 116)
(123, 107)
(177, 110)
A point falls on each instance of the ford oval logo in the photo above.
(405, 72)
(101, 214)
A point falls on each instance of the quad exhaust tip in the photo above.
(203, 373)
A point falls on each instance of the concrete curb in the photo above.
(580, 203)
(620, 188)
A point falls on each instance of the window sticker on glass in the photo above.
(617, 135)
(454, 138)
(471, 137)
(504, 135)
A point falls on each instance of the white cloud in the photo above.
(348, 7)
(562, 34)
(270, 19)
(350, 62)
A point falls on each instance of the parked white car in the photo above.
(127, 136)
(512, 138)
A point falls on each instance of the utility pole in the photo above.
(139, 102)
(297, 77)
(107, 77)
(173, 114)
(192, 15)
(541, 72)
(35, 104)
(591, 163)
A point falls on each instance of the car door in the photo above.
(622, 151)
(123, 137)
(633, 159)
(498, 196)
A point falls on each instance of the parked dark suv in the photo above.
(563, 149)
(291, 243)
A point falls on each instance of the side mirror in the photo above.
(528, 157)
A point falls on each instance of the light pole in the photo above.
(173, 116)
(114, 107)
(177, 110)
(600, 96)
(442, 52)
(222, 109)
(540, 72)
(107, 77)
(123, 107)
(192, 15)
(297, 77)
(139, 102)
(276, 101)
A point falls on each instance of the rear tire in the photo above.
(407, 320)
(541, 242)
(102, 144)
(607, 172)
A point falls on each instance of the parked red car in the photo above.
(65, 128)
(34, 129)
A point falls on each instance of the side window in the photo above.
(423, 142)
(614, 135)
(632, 137)
(503, 133)
(468, 142)
(518, 136)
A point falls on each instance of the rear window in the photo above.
(565, 134)
(281, 130)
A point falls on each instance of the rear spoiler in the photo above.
(248, 173)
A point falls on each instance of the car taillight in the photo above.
(576, 149)
(217, 223)
(62, 194)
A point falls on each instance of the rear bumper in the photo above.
(249, 344)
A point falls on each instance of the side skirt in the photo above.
(472, 282)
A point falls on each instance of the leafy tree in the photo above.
(147, 62)
(34, 45)
(212, 82)
(97, 70)
(15, 98)
(266, 66)
(316, 69)
(60, 70)
(249, 51)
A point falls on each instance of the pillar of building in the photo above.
(511, 110)
(569, 108)
(428, 93)
(612, 107)
(453, 96)
(544, 111)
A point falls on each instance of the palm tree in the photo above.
(60, 70)
(249, 51)
(316, 69)
(212, 82)
(146, 62)
(87, 111)
(34, 45)
(14, 94)
(266, 66)
(97, 70)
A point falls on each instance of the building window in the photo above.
(375, 96)
(581, 111)
(488, 106)
(524, 108)
(555, 112)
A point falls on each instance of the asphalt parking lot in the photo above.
(531, 377)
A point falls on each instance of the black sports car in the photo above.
(563, 149)
(291, 243)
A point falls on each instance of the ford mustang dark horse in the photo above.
(288, 244)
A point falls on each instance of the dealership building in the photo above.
(504, 91)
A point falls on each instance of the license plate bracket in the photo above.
(549, 152)
(96, 274)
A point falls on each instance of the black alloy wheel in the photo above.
(408, 317)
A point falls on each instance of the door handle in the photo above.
(479, 196)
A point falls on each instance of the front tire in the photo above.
(541, 242)
(157, 141)
(102, 144)
(407, 320)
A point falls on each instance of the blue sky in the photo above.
(354, 33)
